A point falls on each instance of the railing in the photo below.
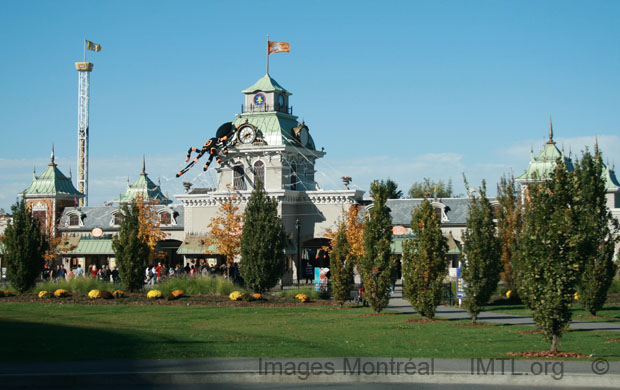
(266, 108)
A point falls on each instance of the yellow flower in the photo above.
(576, 296)
(153, 294)
(44, 294)
(235, 295)
(508, 293)
(302, 297)
(60, 293)
(94, 294)
(177, 293)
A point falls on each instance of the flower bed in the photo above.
(61, 293)
(153, 294)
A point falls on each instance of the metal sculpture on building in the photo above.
(215, 146)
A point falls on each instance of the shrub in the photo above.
(94, 294)
(235, 295)
(61, 293)
(257, 296)
(154, 294)
(118, 294)
(177, 293)
(196, 286)
(106, 295)
(303, 298)
(44, 294)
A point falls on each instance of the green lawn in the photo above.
(69, 332)
(606, 314)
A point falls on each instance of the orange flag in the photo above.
(278, 47)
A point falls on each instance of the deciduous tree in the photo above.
(424, 261)
(428, 188)
(354, 223)
(376, 264)
(509, 226)
(24, 248)
(225, 229)
(482, 263)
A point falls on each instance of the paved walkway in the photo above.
(453, 313)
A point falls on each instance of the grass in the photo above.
(71, 332)
(77, 286)
(606, 314)
(290, 293)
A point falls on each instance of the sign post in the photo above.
(460, 286)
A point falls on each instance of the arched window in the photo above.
(259, 172)
(293, 176)
(165, 218)
(438, 213)
(74, 220)
(238, 179)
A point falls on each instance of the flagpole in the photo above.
(267, 53)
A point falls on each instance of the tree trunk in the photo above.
(474, 317)
(554, 343)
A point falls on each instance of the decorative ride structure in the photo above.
(84, 69)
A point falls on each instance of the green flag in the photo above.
(93, 46)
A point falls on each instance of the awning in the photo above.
(93, 246)
(192, 245)
(397, 243)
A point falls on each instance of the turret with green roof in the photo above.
(52, 183)
(541, 166)
(145, 188)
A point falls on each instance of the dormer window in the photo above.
(74, 220)
(117, 218)
(440, 212)
(165, 218)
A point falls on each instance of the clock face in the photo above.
(303, 136)
(259, 99)
(280, 100)
(247, 134)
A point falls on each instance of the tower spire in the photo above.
(596, 151)
(143, 165)
(52, 156)
(550, 141)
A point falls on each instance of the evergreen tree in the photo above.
(509, 225)
(376, 265)
(262, 243)
(482, 263)
(548, 265)
(341, 267)
(131, 249)
(597, 239)
(24, 248)
(425, 264)
(393, 191)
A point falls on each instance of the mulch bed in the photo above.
(421, 320)
(139, 299)
(547, 354)
(612, 341)
(377, 314)
(470, 324)
(538, 331)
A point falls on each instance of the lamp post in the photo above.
(298, 226)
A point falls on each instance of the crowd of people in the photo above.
(153, 274)
(59, 272)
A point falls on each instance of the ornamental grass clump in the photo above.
(198, 285)
(154, 294)
(94, 294)
(61, 293)
(44, 294)
(118, 294)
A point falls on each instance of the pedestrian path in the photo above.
(398, 303)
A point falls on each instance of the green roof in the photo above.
(93, 246)
(611, 182)
(397, 243)
(275, 128)
(192, 245)
(266, 84)
(52, 182)
(541, 166)
(145, 188)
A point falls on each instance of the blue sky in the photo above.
(399, 89)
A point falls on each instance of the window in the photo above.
(117, 218)
(74, 220)
(293, 176)
(238, 180)
(41, 216)
(438, 213)
(165, 218)
(259, 172)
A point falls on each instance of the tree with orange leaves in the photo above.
(150, 227)
(225, 229)
(354, 225)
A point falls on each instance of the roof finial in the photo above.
(52, 156)
(143, 166)
(550, 129)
